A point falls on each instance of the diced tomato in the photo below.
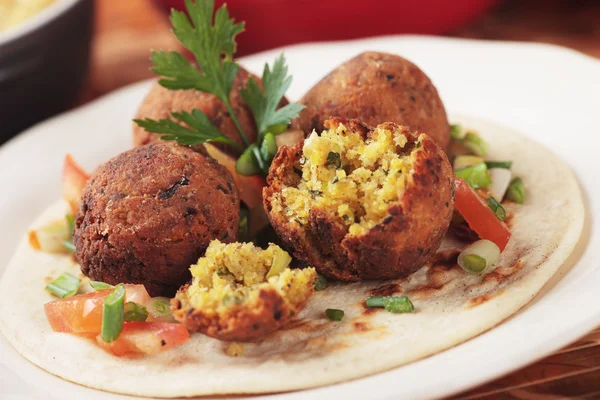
(82, 314)
(74, 179)
(146, 338)
(479, 216)
(249, 187)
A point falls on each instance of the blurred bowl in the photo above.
(274, 23)
(43, 62)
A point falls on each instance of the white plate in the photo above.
(548, 93)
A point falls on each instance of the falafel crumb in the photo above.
(234, 349)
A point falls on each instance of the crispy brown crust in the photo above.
(148, 214)
(394, 248)
(242, 322)
(376, 87)
(160, 102)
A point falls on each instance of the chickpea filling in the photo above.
(234, 274)
(351, 179)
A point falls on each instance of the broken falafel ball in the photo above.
(240, 292)
(361, 203)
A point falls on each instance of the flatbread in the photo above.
(451, 306)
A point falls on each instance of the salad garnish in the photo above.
(66, 285)
(213, 46)
(516, 191)
(113, 314)
(497, 208)
(476, 257)
(334, 314)
(393, 304)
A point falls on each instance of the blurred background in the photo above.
(104, 44)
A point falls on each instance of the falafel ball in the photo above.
(241, 292)
(147, 214)
(161, 102)
(375, 87)
(361, 203)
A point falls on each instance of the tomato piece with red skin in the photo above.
(479, 216)
(74, 179)
(146, 338)
(82, 314)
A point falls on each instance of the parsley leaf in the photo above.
(264, 103)
(200, 130)
(213, 46)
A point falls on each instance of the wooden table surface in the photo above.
(126, 29)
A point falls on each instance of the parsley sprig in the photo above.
(212, 42)
(264, 103)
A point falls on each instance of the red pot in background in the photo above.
(274, 23)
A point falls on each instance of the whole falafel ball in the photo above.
(149, 213)
(374, 88)
(161, 102)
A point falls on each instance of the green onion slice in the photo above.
(246, 164)
(499, 164)
(478, 256)
(277, 129)
(97, 286)
(113, 314)
(268, 147)
(64, 286)
(393, 304)
(69, 245)
(461, 162)
(375, 302)
(134, 312)
(516, 191)
(475, 143)
(476, 176)
(398, 304)
(320, 282)
(497, 208)
(457, 132)
(334, 314)
(160, 309)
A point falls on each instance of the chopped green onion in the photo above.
(461, 162)
(475, 143)
(97, 286)
(393, 304)
(457, 132)
(334, 314)
(333, 160)
(476, 176)
(499, 164)
(134, 312)
(160, 309)
(69, 245)
(375, 302)
(497, 208)
(268, 147)
(320, 282)
(113, 314)
(277, 129)
(478, 256)
(246, 164)
(71, 226)
(474, 263)
(516, 191)
(64, 286)
(260, 161)
(398, 304)
(281, 259)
